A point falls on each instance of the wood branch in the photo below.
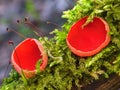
(112, 84)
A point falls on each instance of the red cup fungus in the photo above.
(25, 56)
(90, 39)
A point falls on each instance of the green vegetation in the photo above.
(65, 69)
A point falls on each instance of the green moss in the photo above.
(65, 69)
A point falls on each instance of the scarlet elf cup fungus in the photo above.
(26, 55)
(90, 39)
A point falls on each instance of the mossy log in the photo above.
(112, 83)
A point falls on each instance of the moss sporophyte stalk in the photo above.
(66, 68)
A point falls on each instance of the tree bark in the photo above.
(112, 84)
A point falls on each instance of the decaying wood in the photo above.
(111, 84)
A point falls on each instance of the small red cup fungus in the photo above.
(26, 55)
(90, 39)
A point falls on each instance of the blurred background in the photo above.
(39, 12)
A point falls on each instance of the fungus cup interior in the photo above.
(89, 37)
(26, 54)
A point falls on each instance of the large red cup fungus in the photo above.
(26, 55)
(90, 39)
